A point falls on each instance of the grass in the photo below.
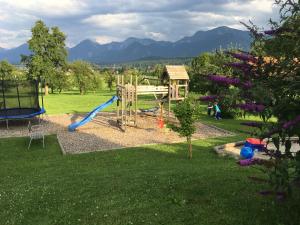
(73, 102)
(156, 184)
(150, 185)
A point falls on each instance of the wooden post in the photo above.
(46, 89)
(186, 88)
(189, 141)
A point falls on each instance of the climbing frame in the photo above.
(174, 86)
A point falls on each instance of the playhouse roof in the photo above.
(176, 72)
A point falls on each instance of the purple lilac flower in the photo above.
(276, 31)
(223, 80)
(270, 32)
(209, 98)
(291, 123)
(247, 57)
(252, 124)
(241, 66)
(251, 107)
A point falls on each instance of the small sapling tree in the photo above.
(187, 113)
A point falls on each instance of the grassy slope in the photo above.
(152, 185)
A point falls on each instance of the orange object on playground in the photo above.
(255, 141)
(161, 123)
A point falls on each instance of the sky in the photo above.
(105, 21)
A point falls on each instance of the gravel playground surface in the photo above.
(103, 133)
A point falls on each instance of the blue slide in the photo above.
(92, 114)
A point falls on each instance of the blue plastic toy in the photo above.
(247, 153)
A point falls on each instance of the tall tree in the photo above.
(48, 56)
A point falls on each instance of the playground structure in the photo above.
(174, 87)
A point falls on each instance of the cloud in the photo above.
(9, 38)
(156, 35)
(113, 20)
(53, 8)
(106, 20)
(262, 6)
(105, 39)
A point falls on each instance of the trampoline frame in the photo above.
(37, 111)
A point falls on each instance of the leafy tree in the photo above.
(204, 64)
(210, 65)
(6, 70)
(84, 76)
(110, 78)
(187, 112)
(48, 56)
(60, 80)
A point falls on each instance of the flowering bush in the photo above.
(205, 79)
(273, 79)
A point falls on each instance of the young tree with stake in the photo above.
(187, 114)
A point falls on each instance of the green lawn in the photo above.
(73, 102)
(149, 185)
(156, 184)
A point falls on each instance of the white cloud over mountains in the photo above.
(106, 20)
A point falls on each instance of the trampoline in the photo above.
(19, 100)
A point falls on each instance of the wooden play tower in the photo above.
(174, 87)
(177, 80)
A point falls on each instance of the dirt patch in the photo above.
(104, 134)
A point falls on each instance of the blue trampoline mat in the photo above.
(20, 113)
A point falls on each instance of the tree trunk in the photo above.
(189, 141)
(46, 89)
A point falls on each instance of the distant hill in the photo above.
(133, 49)
(14, 55)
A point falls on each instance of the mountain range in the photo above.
(133, 49)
